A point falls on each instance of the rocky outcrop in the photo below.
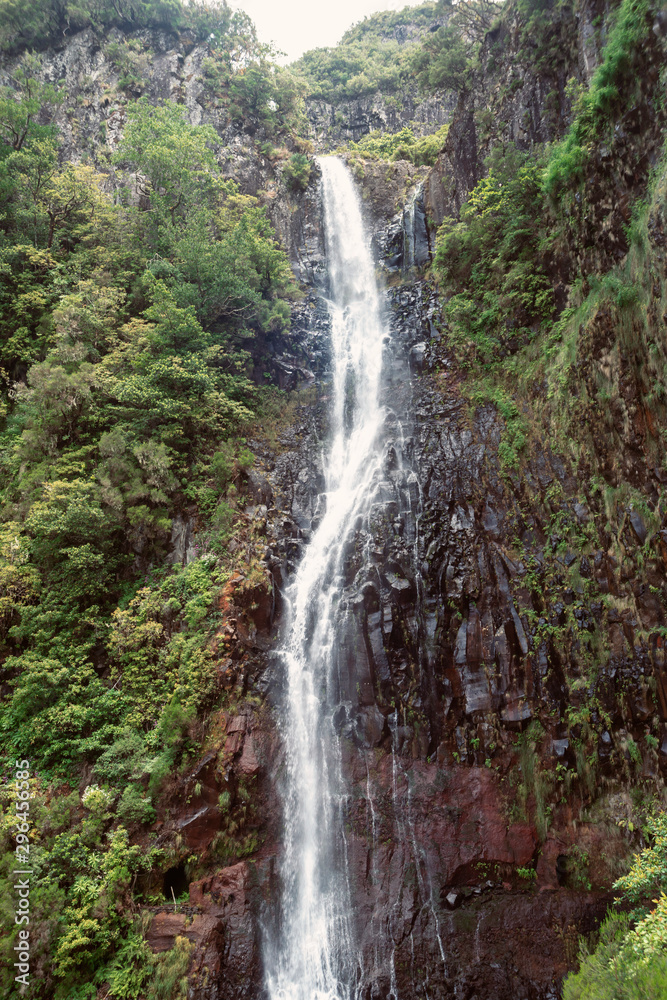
(221, 922)
(349, 120)
(100, 76)
(441, 661)
(521, 93)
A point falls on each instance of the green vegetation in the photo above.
(446, 59)
(615, 84)
(85, 929)
(443, 61)
(125, 396)
(257, 94)
(499, 263)
(514, 437)
(297, 172)
(36, 23)
(403, 145)
(629, 961)
(534, 783)
(492, 262)
(368, 57)
(122, 343)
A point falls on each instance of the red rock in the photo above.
(234, 742)
(546, 864)
(249, 763)
(227, 953)
(200, 827)
(237, 724)
(166, 927)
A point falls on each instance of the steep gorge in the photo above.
(500, 628)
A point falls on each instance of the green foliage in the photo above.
(611, 973)
(82, 919)
(353, 69)
(403, 145)
(132, 375)
(446, 58)
(367, 59)
(297, 172)
(127, 329)
(578, 868)
(629, 961)
(443, 61)
(648, 874)
(153, 662)
(491, 262)
(514, 437)
(134, 807)
(261, 93)
(23, 102)
(616, 79)
(232, 458)
(534, 783)
(35, 23)
(131, 62)
(125, 391)
(175, 157)
(168, 977)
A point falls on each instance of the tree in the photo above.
(23, 101)
(53, 199)
(176, 158)
(475, 17)
(630, 963)
(443, 61)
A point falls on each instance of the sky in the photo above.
(294, 26)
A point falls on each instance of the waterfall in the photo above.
(315, 957)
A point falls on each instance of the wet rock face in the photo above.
(404, 242)
(446, 655)
(450, 644)
(439, 907)
(433, 647)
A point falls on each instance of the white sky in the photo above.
(294, 26)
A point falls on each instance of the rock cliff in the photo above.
(501, 630)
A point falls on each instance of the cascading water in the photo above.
(315, 957)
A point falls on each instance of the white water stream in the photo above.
(315, 957)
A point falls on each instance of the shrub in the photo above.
(491, 262)
(296, 172)
(403, 145)
(134, 807)
(629, 962)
